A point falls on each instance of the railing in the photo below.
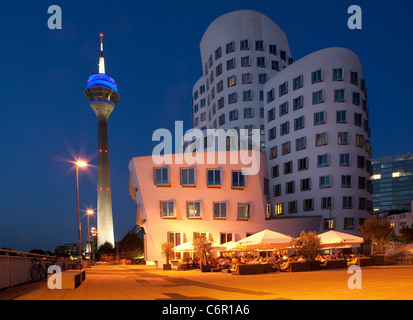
(15, 266)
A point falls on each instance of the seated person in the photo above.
(284, 266)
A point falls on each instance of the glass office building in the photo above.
(392, 180)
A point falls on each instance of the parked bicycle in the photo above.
(37, 271)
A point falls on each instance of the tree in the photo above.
(406, 234)
(308, 245)
(202, 247)
(106, 251)
(131, 246)
(167, 251)
(377, 231)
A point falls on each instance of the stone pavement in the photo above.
(147, 283)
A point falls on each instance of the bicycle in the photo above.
(37, 272)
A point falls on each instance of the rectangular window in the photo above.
(338, 74)
(298, 82)
(162, 176)
(326, 203)
(308, 204)
(286, 148)
(302, 164)
(246, 78)
(341, 116)
(305, 184)
(283, 55)
(298, 103)
(354, 78)
(214, 177)
(321, 139)
(247, 96)
(231, 81)
(356, 98)
(342, 138)
(299, 123)
(279, 209)
(220, 209)
(273, 152)
(292, 207)
(230, 64)
(322, 160)
(221, 119)
(232, 98)
(261, 62)
(262, 78)
(361, 162)
(328, 224)
(220, 86)
(193, 209)
(233, 115)
(318, 97)
(339, 95)
(244, 44)
(238, 179)
(362, 183)
(325, 182)
(244, 211)
(290, 187)
(259, 45)
(245, 61)
(283, 89)
(317, 76)
(225, 237)
(346, 181)
(284, 108)
(188, 176)
(168, 209)
(348, 223)
(275, 65)
(273, 49)
(275, 171)
(300, 144)
(272, 134)
(230, 47)
(347, 202)
(270, 95)
(218, 53)
(359, 140)
(285, 128)
(344, 159)
(288, 167)
(319, 118)
(271, 114)
(277, 190)
(362, 203)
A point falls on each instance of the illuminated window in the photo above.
(193, 209)
(244, 211)
(376, 177)
(168, 209)
(279, 209)
(397, 174)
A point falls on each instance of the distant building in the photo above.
(392, 179)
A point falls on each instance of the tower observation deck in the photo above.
(102, 93)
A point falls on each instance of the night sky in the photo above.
(152, 51)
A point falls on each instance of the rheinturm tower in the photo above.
(102, 94)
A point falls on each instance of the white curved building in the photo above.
(240, 51)
(318, 139)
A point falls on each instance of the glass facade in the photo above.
(392, 180)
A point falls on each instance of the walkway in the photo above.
(147, 283)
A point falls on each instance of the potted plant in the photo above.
(202, 247)
(308, 245)
(167, 252)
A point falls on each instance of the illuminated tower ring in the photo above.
(102, 94)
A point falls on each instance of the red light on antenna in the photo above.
(101, 34)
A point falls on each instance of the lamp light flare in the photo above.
(81, 163)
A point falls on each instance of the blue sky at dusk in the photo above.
(152, 51)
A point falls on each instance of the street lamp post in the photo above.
(89, 212)
(79, 164)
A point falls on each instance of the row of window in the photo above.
(316, 77)
(245, 45)
(324, 182)
(303, 164)
(321, 139)
(326, 204)
(188, 177)
(195, 210)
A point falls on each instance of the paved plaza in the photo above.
(147, 283)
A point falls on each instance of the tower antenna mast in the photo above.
(101, 59)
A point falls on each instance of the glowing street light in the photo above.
(81, 164)
(89, 212)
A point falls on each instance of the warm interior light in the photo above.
(90, 212)
(376, 177)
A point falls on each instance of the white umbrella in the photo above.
(334, 239)
(189, 247)
(264, 240)
(337, 239)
